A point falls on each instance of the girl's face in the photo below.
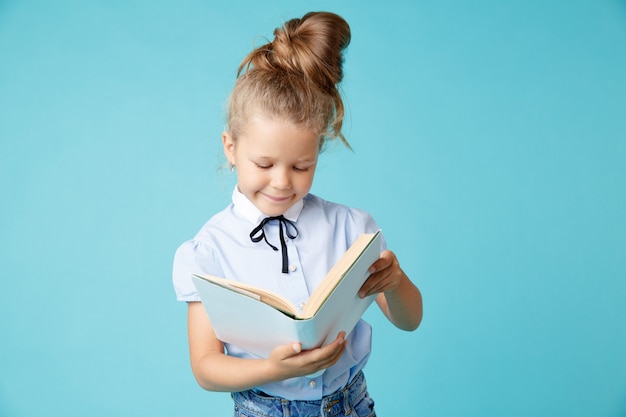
(275, 162)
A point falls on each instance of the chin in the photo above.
(273, 211)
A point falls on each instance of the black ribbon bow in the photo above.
(284, 226)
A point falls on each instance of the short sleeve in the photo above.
(360, 221)
(192, 257)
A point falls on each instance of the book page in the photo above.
(274, 300)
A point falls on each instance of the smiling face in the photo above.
(275, 162)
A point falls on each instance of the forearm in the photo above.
(403, 305)
(219, 372)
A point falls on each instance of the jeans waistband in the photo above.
(338, 403)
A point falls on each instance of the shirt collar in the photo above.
(250, 212)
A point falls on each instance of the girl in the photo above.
(284, 106)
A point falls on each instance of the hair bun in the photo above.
(313, 46)
(295, 77)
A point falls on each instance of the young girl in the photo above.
(284, 106)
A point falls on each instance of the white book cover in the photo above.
(241, 318)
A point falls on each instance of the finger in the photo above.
(330, 356)
(379, 282)
(374, 284)
(384, 261)
(326, 353)
(379, 265)
(367, 286)
(286, 351)
(333, 346)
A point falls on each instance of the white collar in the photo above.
(250, 212)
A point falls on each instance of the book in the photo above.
(258, 320)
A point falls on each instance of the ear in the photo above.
(229, 147)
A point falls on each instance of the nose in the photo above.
(281, 179)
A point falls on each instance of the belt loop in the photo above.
(347, 408)
(286, 407)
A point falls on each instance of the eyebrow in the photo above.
(269, 158)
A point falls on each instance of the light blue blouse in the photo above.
(223, 248)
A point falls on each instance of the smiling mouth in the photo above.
(277, 199)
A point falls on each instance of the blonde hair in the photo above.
(295, 77)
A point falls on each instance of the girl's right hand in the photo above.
(291, 361)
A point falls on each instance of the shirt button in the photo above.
(301, 305)
(292, 268)
(312, 383)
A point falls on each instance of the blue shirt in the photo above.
(326, 230)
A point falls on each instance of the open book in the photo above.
(257, 320)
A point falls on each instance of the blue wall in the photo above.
(490, 146)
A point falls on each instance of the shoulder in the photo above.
(224, 229)
(351, 218)
(201, 254)
(219, 222)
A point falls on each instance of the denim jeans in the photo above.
(352, 401)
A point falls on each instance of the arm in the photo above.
(398, 298)
(216, 371)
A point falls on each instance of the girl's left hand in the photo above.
(386, 275)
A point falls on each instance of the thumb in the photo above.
(287, 351)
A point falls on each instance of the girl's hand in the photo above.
(386, 275)
(291, 361)
(398, 297)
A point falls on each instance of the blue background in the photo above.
(489, 143)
